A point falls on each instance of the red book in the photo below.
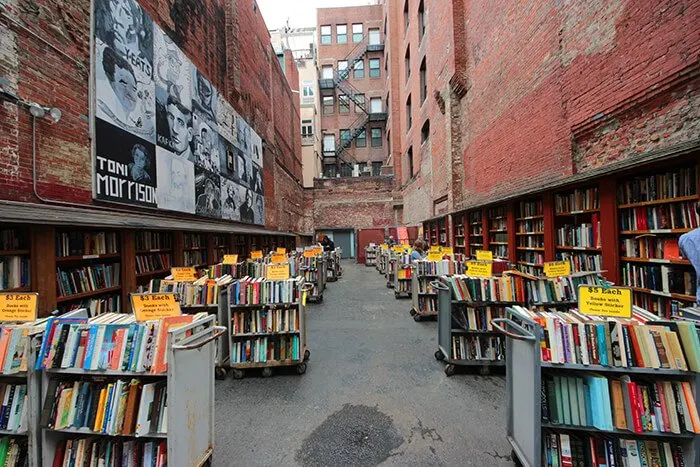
(58, 455)
(114, 361)
(634, 405)
(664, 408)
(635, 346)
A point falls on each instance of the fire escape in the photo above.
(344, 88)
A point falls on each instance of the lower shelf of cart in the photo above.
(476, 362)
(263, 334)
(266, 364)
(84, 432)
(625, 433)
(13, 433)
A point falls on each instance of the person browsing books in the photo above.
(689, 244)
(328, 244)
(418, 250)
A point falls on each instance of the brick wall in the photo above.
(358, 203)
(45, 57)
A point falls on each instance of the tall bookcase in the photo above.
(577, 228)
(195, 250)
(476, 232)
(460, 233)
(498, 232)
(530, 252)
(219, 245)
(154, 255)
(15, 259)
(654, 209)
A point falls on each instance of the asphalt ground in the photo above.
(373, 394)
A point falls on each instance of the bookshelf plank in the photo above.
(14, 252)
(92, 293)
(654, 231)
(683, 262)
(69, 259)
(659, 201)
(578, 248)
(153, 273)
(630, 434)
(660, 372)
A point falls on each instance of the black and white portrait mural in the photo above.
(166, 137)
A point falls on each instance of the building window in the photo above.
(328, 105)
(405, 15)
(307, 89)
(423, 82)
(359, 69)
(359, 103)
(327, 72)
(407, 62)
(345, 170)
(375, 105)
(409, 162)
(341, 33)
(421, 19)
(409, 112)
(374, 71)
(307, 128)
(344, 137)
(325, 35)
(328, 143)
(361, 140)
(342, 65)
(357, 34)
(376, 169)
(376, 135)
(374, 36)
(330, 171)
(343, 104)
(425, 132)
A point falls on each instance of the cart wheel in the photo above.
(439, 356)
(450, 370)
(396, 295)
(301, 368)
(320, 299)
(412, 312)
(417, 318)
(238, 374)
(484, 371)
(220, 373)
(266, 372)
(307, 354)
(514, 457)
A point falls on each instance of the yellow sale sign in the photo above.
(281, 251)
(257, 254)
(277, 272)
(484, 255)
(16, 307)
(601, 301)
(183, 274)
(278, 258)
(433, 256)
(230, 259)
(479, 268)
(557, 268)
(155, 306)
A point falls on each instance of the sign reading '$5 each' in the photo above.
(601, 301)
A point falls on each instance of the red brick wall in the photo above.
(226, 39)
(358, 203)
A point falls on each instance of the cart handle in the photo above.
(218, 332)
(524, 334)
(439, 285)
(307, 286)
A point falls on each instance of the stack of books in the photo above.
(585, 199)
(585, 235)
(86, 243)
(495, 289)
(478, 347)
(14, 346)
(658, 186)
(104, 451)
(273, 320)
(234, 270)
(152, 262)
(73, 281)
(13, 407)
(679, 215)
(13, 451)
(14, 272)
(98, 305)
(445, 267)
(558, 289)
(265, 349)
(250, 291)
(202, 292)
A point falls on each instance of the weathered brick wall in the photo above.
(45, 57)
(358, 203)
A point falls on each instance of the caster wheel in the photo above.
(307, 354)
(396, 295)
(450, 370)
(220, 373)
(439, 356)
(320, 299)
(266, 372)
(417, 318)
(301, 368)
(484, 371)
(238, 374)
(412, 312)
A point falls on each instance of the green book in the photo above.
(4, 442)
(691, 344)
(573, 401)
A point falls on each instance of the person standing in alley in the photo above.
(418, 250)
(328, 244)
(689, 244)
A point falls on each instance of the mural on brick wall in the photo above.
(165, 136)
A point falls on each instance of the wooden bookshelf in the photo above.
(153, 255)
(498, 232)
(529, 233)
(195, 249)
(475, 228)
(460, 229)
(15, 259)
(577, 231)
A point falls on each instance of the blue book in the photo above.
(606, 403)
(602, 347)
(44, 343)
(88, 404)
(587, 400)
(90, 347)
(133, 330)
(596, 414)
(108, 406)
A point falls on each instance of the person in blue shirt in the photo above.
(689, 244)
(418, 250)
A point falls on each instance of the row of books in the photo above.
(669, 185)
(402, 287)
(111, 452)
(13, 239)
(14, 272)
(570, 337)
(153, 262)
(494, 289)
(530, 208)
(666, 279)
(425, 285)
(98, 305)
(666, 216)
(266, 349)
(583, 235)
(195, 257)
(498, 224)
(651, 246)
(582, 199)
(499, 251)
(86, 243)
(533, 257)
(115, 408)
(476, 319)
(567, 450)
(73, 281)
(608, 403)
(13, 451)
(533, 270)
(13, 409)
(558, 289)
(14, 346)
(195, 240)
(153, 241)
(531, 241)
(582, 261)
(531, 226)
(427, 304)
(110, 341)
(478, 347)
(249, 291)
(265, 320)
(236, 271)
(203, 291)
(439, 268)
(404, 273)
(500, 237)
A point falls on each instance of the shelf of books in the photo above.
(109, 402)
(466, 307)
(267, 325)
(654, 210)
(403, 278)
(371, 256)
(442, 231)
(577, 225)
(15, 259)
(154, 255)
(529, 236)
(313, 270)
(88, 270)
(221, 246)
(629, 397)
(195, 250)
(424, 296)
(476, 232)
(498, 232)
(460, 233)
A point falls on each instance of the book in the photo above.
(108, 452)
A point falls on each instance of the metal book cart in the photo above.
(422, 293)
(383, 261)
(524, 371)
(449, 327)
(402, 285)
(391, 271)
(370, 256)
(239, 368)
(333, 269)
(190, 397)
(316, 277)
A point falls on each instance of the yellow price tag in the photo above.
(278, 258)
(318, 251)
(484, 255)
(183, 274)
(309, 254)
(479, 268)
(155, 306)
(447, 250)
(15, 307)
(281, 251)
(230, 259)
(599, 301)
(277, 272)
(436, 248)
(384, 246)
(257, 254)
(557, 268)
(303, 298)
(433, 256)
(398, 248)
